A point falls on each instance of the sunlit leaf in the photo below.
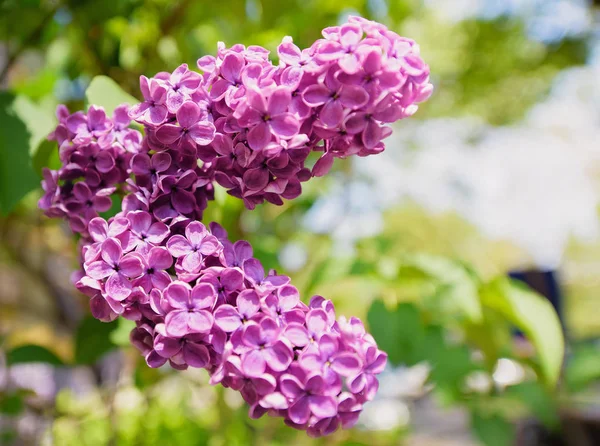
(105, 92)
(535, 316)
(459, 291)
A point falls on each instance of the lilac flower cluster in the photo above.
(199, 300)
(255, 124)
(95, 152)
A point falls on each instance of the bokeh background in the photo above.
(496, 175)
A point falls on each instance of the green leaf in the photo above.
(105, 92)
(398, 332)
(11, 404)
(45, 155)
(583, 367)
(538, 399)
(535, 316)
(458, 290)
(23, 126)
(32, 353)
(120, 336)
(492, 430)
(93, 339)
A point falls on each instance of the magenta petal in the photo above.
(179, 246)
(140, 221)
(210, 245)
(291, 386)
(248, 303)
(118, 287)
(371, 135)
(192, 262)
(279, 101)
(332, 113)
(353, 96)
(259, 136)
(285, 125)
(200, 321)
(316, 95)
(322, 406)
(279, 356)
(98, 270)
(111, 251)
(196, 355)
(256, 179)
(159, 258)
(165, 346)
(176, 323)
(187, 115)
(157, 232)
(299, 412)
(178, 295)
(311, 362)
(316, 320)
(231, 67)
(330, 50)
(202, 133)
(168, 133)
(104, 162)
(131, 266)
(203, 295)
(350, 63)
(158, 114)
(253, 363)
(323, 165)
(346, 364)
(227, 318)
(350, 34)
(297, 335)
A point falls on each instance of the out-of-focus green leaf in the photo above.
(93, 339)
(398, 332)
(492, 430)
(46, 155)
(535, 316)
(583, 367)
(32, 353)
(539, 401)
(23, 126)
(105, 92)
(459, 292)
(120, 336)
(11, 404)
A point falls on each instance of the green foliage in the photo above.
(11, 404)
(535, 316)
(32, 353)
(492, 430)
(23, 126)
(583, 367)
(93, 339)
(105, 92)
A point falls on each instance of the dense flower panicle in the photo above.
(199, 300)
(95, 152)
(256, 123)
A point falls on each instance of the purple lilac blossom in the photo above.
(199, 300)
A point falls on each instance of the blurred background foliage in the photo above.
(474, 357)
